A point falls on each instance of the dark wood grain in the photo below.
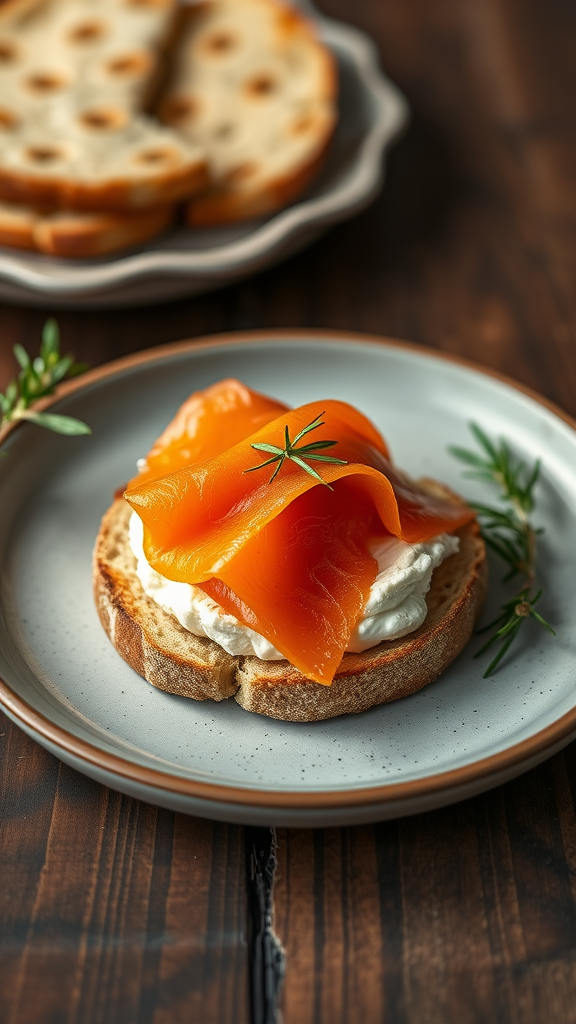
(113, 911)
(464, 915)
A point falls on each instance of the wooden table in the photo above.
(113, 912)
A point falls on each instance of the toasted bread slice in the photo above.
(73, 163)
(74, 75)
(54, 48)
(78, 235)
(82, 235)
(255, 88)
(171, 658)
(17, 225)
(152, 642)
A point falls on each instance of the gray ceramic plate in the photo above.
(69, 689)
(184, 262)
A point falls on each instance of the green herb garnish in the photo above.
(508, 532)
(297, 455)
(38, 378)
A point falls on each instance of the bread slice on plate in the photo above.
(149, 639)
(171, 658)
(94, 158)
(112, 48)
(74, 76)
(17, 226)
(254, 87)
(75, 235)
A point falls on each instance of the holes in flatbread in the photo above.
(43, 154)
(45, 81)
(156, 155)
(225, 132)
(178, 109)
(7, 119)
(87, 32)
(261, 85)
(129, 65)
(220, 42)
(8, 51)
(302, 124)
(288, 22)
(241, 173)
(104, 118)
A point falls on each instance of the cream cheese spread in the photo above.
(396, 604)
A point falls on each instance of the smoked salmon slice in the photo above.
(206, 424)
(290, 558)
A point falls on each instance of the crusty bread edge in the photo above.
(121, 195)
(224, 206)
(76, 235)
(18, 231)
(205, 673)
(391, 670)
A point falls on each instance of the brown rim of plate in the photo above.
(217, 792)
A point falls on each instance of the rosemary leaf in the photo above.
(275, 458)
(508, 531)
(312, 446)
(38, 378)
(308, 469)
(496, 661)
(311, 426)
(277, 470)
(543, 622)
(298, 455)
(22, 356)
(326, 458)
(58, 424)
(261, 447)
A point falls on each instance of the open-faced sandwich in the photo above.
(279, 556)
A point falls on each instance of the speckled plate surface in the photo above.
(69, 689)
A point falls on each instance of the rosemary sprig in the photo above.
(37, 378)
(298, 455)
(508, 532)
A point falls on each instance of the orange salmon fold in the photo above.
(208, 422)
(291, 558)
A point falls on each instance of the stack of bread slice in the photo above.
(247, 112)
(74, 75)
(74, 233)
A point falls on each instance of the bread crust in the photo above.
(224, 206)
(17, 225)
(78, 235)
(171, 658)
(121, 195)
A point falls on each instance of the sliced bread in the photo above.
(111, 49)
(75, 235)
(253, 86)
(74, 75)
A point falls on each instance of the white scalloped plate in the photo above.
(69, 689)
(184, 262)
